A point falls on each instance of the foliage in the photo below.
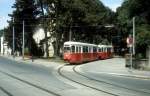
(143, 34)
(140, 8)
(141, 11)
(84, 18)
(76, 16)
(123, 20)
(26, 11)
(26, 51)
(1, 32)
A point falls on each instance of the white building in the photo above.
(2, 48)
(5, 50)
(40, 35)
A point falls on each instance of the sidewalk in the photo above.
(37, 61)
(114, 66)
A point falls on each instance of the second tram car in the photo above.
(78, 52)
(105, 51)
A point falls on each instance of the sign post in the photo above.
(130, 45)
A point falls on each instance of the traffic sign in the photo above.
(129, 41)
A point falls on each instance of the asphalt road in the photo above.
(22, 79)
(125, 85)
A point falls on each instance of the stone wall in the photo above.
(136, 63)
(140, 63)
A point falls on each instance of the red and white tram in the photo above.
(78, 52)
(105, 51)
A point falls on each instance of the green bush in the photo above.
(26, 51)
(139, 56)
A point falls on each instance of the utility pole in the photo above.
(23, 42)
(70, 31)
(13, 39)
(133, 35)
(70, 34)
(3, 41)
(132, 48)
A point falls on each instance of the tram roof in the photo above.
(78, 43)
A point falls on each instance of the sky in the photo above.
(112, 4)
(5, 9)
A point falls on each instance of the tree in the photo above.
(1, 32)
(141, 11)
(61, 17)
(76, 16)
(26, 11)
(140, 8)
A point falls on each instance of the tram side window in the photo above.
(102, 49)
(90, 50)
(105, 50)
(99, 50)
(85, 49)
(109, 50)
(77, 49)
(94, 49)
(72, 49)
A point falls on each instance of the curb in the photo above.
(127, 75)
(118, 74)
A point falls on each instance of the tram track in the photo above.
(28, 83)
(91, 87)
(101, 81)
(5, 91)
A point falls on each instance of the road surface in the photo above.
(24, 79)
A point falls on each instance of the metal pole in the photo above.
(132, 48)
(3, 42)
(70, 31)
(133, 35)
(149, 54)
(131, 58)
(13, 40)
(133, 43)
(70, 34)
(23, 42)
